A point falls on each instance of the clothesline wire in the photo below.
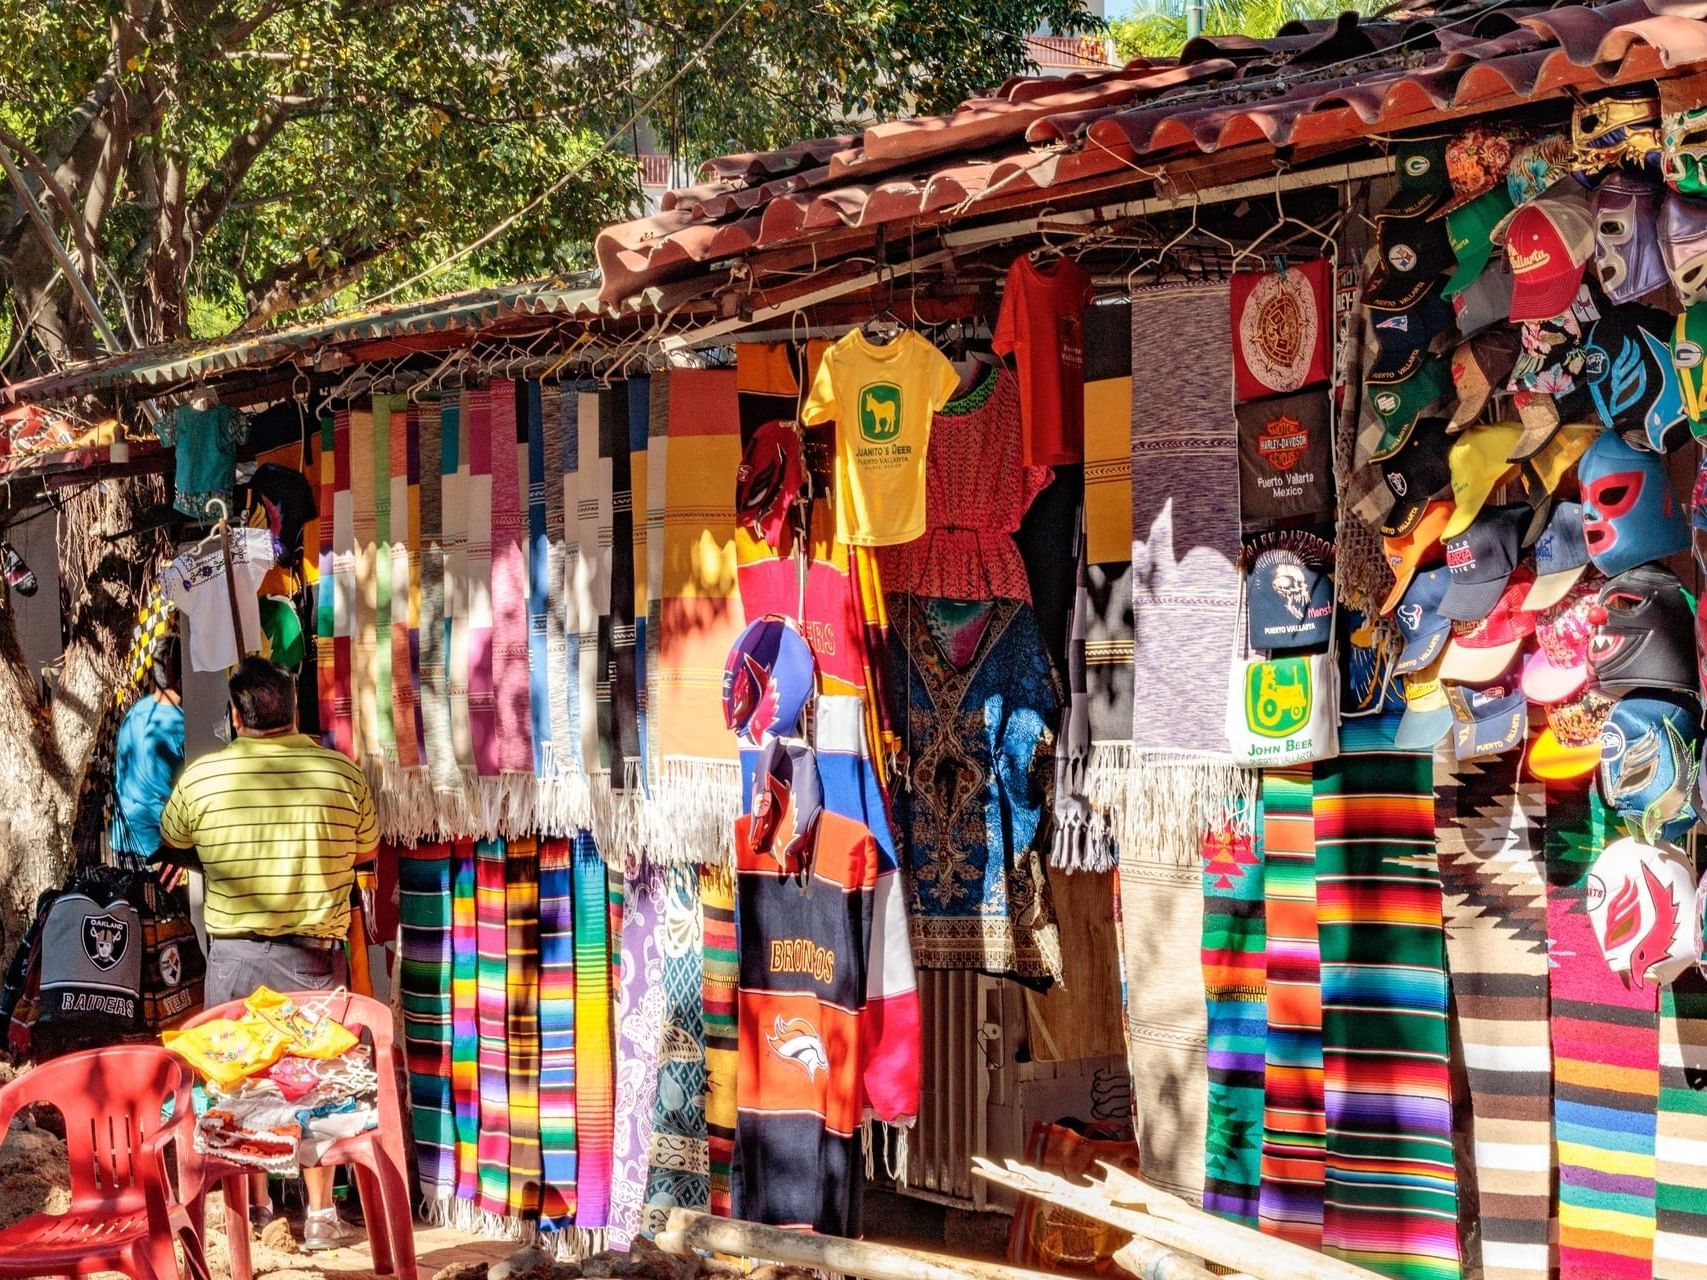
(573, 172)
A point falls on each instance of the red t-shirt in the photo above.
(1042, 325)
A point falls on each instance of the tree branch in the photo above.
(210, 203)
(303, 283)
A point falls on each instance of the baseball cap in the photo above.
(1401, 390)
(1480, 651)
(1421, 627)
(1627, 259)
(1630, 515)
(1554, 461)
(1558, 669)
(1689, 358)
(1561, 555)
(1644, 633)
(1683, 246)
(787, 802)
(1481, 559)
(1487, 721)
(1548, 242)
(1289, 590)
(1628, 373)
(768, 481)
(1538, 166)
(1407, 552)
(1487, 301)
(1416, 474)
(1428, 715)
(1641, 906)
(1424, 184)
(1478, 459)
(1470, 232)
(767, 680)
(1647, 763)
(1412, 328)
(1569, 747)
(1414, 251)
(1477, 159)
(1479, 366)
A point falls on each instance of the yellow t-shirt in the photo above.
(277, 824)
(881, 399)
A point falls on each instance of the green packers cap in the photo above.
(1423, 181)
(1689, 358)
(1402, 394)
(1469, 229)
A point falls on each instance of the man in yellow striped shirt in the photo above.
(279, 825)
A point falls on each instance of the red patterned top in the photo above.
(977, 489)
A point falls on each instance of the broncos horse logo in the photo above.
(796, 1041)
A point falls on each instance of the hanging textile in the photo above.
(1680, 1192)
(563, 803)
(491, 996)
(1605, 1066)
(465, 1020)
(424, 906)
(1294, 1123)
(439, 749)
(332, 644)
(481, 494)
(697, 792)
(722, 973)
(381, 414)
(1235, 975)
(594, 1079)
(1391, 1201)
(405, 535)
(678, 1166)
(619, 700)
(538, 560)
(657, 479)
(636, 778)
(1161, 931)
(639, 1023)
(455, 466)
(557, 1032)
(590, 597)
(363, 626)
(979, 696)
(521, 1025)
(513, 713)
(1489, 823)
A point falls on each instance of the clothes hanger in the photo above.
(885, 326)
(1324, 239)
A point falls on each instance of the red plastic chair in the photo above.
(125, 1214)
(376, 1157)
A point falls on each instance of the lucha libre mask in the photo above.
(1683, 243)
(1621, 127)
(1683, 150)
(1627, 259)
(1629, 513)
(1648, 751)
(1641, 905)
(1644, 634)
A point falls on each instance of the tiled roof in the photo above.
(1312, 87)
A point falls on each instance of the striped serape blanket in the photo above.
(425, 905)
(491, 997)
(722, 1051)
(521, 1026)
(595, 1098)
(557, 1032)
(1680, 1142)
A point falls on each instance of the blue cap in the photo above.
(1481, 560)
(1291, 592)
(768, 679)
(1630, 515)
(1561, 555)
(1488, 721)
(1424, 630)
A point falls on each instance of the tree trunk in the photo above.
(49, 745)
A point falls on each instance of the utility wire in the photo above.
(574, 171)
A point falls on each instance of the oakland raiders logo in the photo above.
(105, 939)
(171, 968)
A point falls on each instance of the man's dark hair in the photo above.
(264, 694)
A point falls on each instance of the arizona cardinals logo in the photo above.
(1657, 940)
(796, 1041)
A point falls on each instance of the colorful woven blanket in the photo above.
(1391, 1198)
(1606, 1065)
(513, 714)
(425, 904)
(640, 1024)
(491, 1011)
(557, 1032)
(1489, 823)
(594, 1070)
(1294, 1123)
(1235, 977)
(476, 434)
(1680, 1144)
(465, 1020)
(678, 1172)
(521, 1025)
(722, 975)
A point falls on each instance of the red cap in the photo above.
(1548, 243)
(1480, 651)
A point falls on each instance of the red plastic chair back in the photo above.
(111, 1101)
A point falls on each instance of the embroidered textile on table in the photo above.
(557, 1032)
(640, 1024)
(1161, 931)
(722, 976)
(594, 1071)
(1391, 1199)
(424, 908)
(1680, 1192)
(1606, 1064)
(979, 698)
(465, 1020)
(1235, 984)
(1294, 1122)
(491, 932)
(678, 1167)
(1489, 820)
(521, 1024)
